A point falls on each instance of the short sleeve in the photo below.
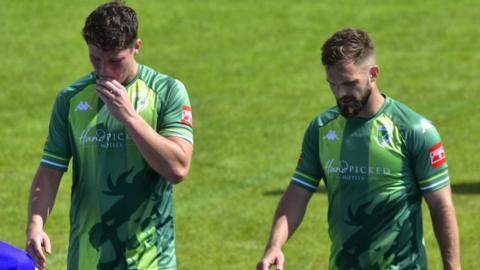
(308, 171)
(56, 152)
(429, 159)
(175, 120)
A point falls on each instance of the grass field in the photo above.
(255, 80)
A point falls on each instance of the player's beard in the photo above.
(354, 106)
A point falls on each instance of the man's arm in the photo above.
(289, 215)
(168, 156)
(444, 223)
(42, 197)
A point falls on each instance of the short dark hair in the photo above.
(111, 26)
(347, 45)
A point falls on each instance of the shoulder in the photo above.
(406, 118)
(75, 87)
(320, 121)
(159, 82)
(326, 117)
(419, 133)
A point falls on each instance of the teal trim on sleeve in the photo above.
(53, 165)
(304, 185)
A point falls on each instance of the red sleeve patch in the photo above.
(187, 116)
(437, 155)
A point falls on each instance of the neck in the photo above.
(133, 73)
(374, 104)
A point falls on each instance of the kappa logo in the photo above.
(330, 136)
(425, 125)
(187, 116)
(83, 106)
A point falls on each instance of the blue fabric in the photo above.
(12, 258)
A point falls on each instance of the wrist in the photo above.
(273, 246)
(131, 120)
(34, 224)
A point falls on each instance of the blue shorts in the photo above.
(12, 258)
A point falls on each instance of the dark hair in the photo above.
(111, 26)
(347, 45)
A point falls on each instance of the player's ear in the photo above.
(137, 45)
(373, 73)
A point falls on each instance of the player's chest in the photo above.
(361, 153)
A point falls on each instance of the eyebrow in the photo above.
(345, 82)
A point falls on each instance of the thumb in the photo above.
(279, 262)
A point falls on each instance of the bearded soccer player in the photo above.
(378, 159)
(128, 129)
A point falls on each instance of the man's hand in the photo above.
(114, 95)
(273, 257)
(38, 245)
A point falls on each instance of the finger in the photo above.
(30, 250)
(102, 82)
(39, 263)
(115, 87)
(47, 245)
(117, 84)
(263, 265)
(105, 92)
(39, 266)
(100, 86)
(102, 96)
(110, 84)
(279, 263)
(105, 85)
(37, 247)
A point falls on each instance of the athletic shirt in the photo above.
(121, 209)
(375, 171)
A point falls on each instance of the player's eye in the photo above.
(116, 61)
(351, 83)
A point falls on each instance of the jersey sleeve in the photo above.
(308, 171)
(175, 120)
(429, 159)
(56, 152)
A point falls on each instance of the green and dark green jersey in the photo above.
(375, 171)
(121, 209)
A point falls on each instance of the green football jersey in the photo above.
(121, 209)
(375, 171)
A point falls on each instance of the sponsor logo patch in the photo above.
(187, 116)
(437, 155)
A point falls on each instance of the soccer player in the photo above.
(378, 159)
(128, 129)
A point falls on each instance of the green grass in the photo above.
(255, 80)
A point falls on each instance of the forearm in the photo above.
(165, 156)
(444, 223)
(42, 196)
(290, 212)
(446, 231)
(279, 234)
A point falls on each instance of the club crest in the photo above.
(384, 136)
